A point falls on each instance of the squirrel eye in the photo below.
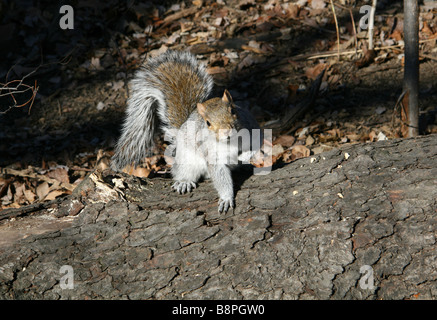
(207, 123)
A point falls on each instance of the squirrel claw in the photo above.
(183, 187)
(224, 205)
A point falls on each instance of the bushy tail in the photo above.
(168, 86)
(136, 140)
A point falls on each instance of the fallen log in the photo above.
(355, 223)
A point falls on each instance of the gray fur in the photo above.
(148, 100)
(159, 91)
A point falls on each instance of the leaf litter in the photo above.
(267, 53)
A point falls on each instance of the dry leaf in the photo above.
(313, 72)
(318, 4)
(9, 195)
(198, 3)
(19, 192)
(368, 58)
(287, 156)
(261, 160)
(186, 26)
(103, 160)
(4, 184)
(263, 157)
(397, 35)
(372, 136)
(277, 150)
(138, 172)
(353, 137)
(381, 136)
(426, 29)
(29, 195)
(42, 190)
(245, 62)
(253, 49)
(330, 135)
(60, 174)
(309, 140)
(216, 70)
(321, 149)
(53, 194)
(95, 64)
(13, 205)
(141, 172)
(300, 151)
(285, 140)
(293, 11)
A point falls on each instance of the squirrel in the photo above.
(203, 133)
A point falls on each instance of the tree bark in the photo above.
(354, 223)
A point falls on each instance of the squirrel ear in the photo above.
(227, 97)
(201, 108)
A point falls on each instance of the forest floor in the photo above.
(267, 53)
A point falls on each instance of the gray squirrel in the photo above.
(203, 134)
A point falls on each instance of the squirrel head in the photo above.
(220, 115)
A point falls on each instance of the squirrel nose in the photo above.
(224, 134)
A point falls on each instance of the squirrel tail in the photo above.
(168, 86)
(136, 140)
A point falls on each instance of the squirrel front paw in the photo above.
(225, 204)
(183, 186)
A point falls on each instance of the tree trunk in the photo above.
(411, 68)
(355, 223)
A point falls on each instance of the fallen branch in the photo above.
(303, 232)
(326, 54)
(25, 210)
(178, 15)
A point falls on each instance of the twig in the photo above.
(178, 15)
(398, 102)
(336, 28)
(17, 89)
(355, 30)
(17, 212)
(327, 54)
(427, 56)
(14, 89)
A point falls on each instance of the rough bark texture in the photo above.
(302, 232)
